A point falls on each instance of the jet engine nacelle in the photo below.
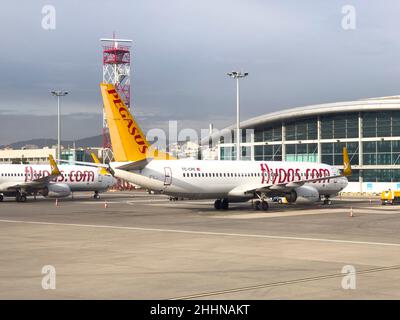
(304, 194)
(56, 190)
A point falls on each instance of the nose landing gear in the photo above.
(96, 195)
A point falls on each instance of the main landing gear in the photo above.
(1, 198)
(261, 205)
(20, 197)
(221, 204)
(327, 201)
(96, 195)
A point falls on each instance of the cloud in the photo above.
(296, 54)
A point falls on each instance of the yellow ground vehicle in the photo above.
(390, 197)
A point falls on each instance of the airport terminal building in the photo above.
(369, 128)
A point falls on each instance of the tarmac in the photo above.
(132, 245)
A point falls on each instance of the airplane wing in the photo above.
(288, 186)
(285, 186)
(35, 183)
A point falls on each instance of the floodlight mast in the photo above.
(237, 75)
(58, 94)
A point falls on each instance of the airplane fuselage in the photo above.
(78, 178)
(201, 179)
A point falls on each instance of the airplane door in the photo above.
(100, 177)
(168, 176)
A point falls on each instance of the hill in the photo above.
(95, 141)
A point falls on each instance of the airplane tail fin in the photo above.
(54, 168)
(127, 139)
(346, 163)
(103, 170)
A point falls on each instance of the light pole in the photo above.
(58, 94)
(237, 75)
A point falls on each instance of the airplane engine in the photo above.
(304, 194)
(56, 190)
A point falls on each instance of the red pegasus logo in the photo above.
(123, 111)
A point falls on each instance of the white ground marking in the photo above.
(101, 201)
(272, 214)
(244, 235)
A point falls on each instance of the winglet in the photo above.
(103, 171)
(346, 163)
(54, 168)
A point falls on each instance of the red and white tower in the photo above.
(116, 70)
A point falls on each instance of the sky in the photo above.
(296, 52)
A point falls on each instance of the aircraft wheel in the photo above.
(327, 202)
(20, 198)
(217, 204)
(264, 205)
(225, 204)
(96, 195)
(257, 205)
(1, 198)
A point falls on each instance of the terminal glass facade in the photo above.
(374, 148)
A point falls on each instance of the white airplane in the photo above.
(22, 180)
(225, 181)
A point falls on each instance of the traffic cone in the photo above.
(351, 212)
(105, 204)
